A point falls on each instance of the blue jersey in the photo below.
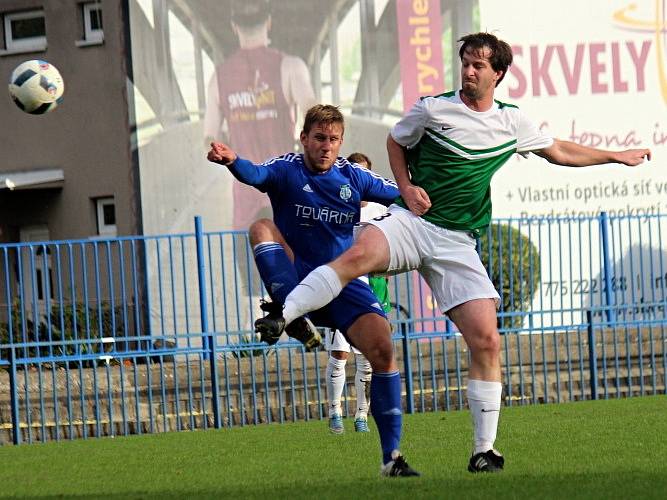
(315, 212)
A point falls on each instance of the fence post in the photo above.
(201, 278)
(215, 387)
(208, 338)
(592, 355)
(14, 399)
(407, 367)
(606, 267)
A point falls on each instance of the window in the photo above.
(92, 24)
(43, 277)
(106, 216)
(36, 270)
(25, 31)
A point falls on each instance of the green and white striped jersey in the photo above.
(454, 151)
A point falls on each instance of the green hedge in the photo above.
(92, 322)
(522, 266)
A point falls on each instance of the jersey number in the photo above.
(381, 217)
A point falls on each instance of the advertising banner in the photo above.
(419, 26)
(592, 73)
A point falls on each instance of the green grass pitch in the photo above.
(593, 449)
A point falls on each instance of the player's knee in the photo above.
(357, 260)
(340, 355)
(371, 334)
(487, 342)
(261, 230)
(335, 367)
(381, 356)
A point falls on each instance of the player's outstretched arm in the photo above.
(221, 153)
(244, 170)
(571, 154)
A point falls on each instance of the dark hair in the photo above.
(501, 52)
(360, 158)
(325, 114)
(250, 13)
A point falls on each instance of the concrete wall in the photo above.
(171, 393)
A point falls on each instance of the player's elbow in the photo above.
(563, 153)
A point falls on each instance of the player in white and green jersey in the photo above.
(453, 151)
(443, 154)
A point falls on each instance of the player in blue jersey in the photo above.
(316, 199)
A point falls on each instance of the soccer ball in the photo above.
(36, 87)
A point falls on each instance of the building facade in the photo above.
(71, 171)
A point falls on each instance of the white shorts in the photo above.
(335, 341)
(447, 259)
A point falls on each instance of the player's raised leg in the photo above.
(369, 253)
(275, 263)
(476, 320)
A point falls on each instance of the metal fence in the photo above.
(152, 334)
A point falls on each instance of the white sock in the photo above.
(335, 384)
(362, 384)
(484, 402)
(315, 291)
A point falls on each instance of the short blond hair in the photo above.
(324, 114)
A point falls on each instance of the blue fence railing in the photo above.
(150, 334)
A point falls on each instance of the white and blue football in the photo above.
(36, 87)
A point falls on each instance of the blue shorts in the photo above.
(355, 300)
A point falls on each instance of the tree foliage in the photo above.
(513, 263)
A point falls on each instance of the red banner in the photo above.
(420, 49)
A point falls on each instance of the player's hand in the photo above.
(633, 157)
(221, 153)
(416, 199)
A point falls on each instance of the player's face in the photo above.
(478, 78)
(321, 146)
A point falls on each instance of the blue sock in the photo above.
(386, 410)
(276, 270)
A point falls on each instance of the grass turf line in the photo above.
(592, 449)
